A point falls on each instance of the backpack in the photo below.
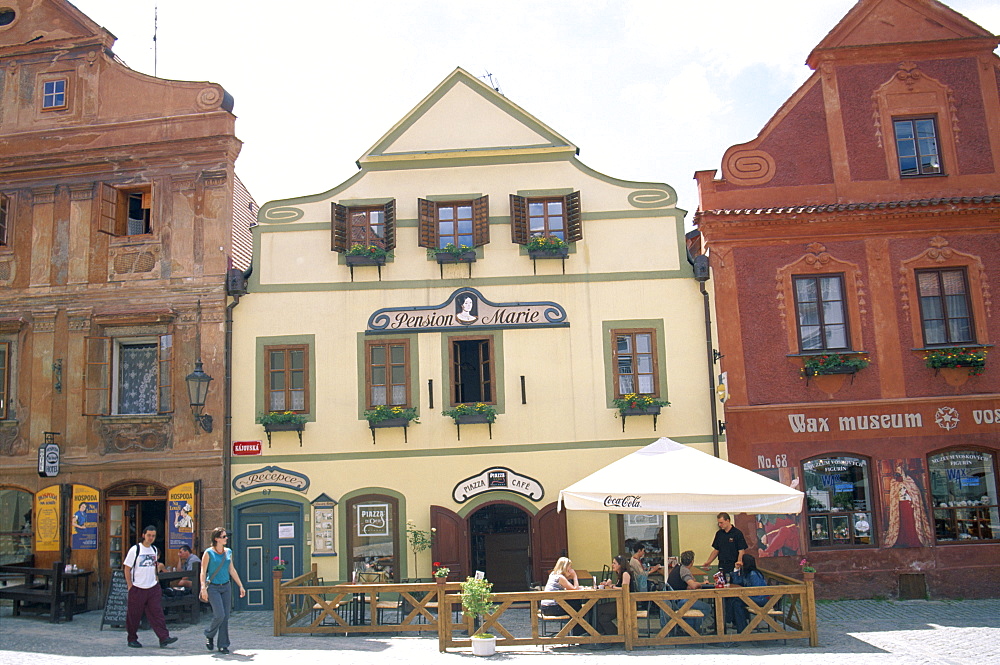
(135, 547)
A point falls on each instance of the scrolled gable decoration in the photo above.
(466, 308)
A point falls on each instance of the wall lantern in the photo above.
(197, 383)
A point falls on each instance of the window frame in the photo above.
(871, 510)
(5, 379)
(455, 236)
(935, 509)
(341, 227)
(454, 383)
(407, 369)
(654, 351)
(428, 233)
(350, 519)
(104, 371)
(520, 228)
(287, 370)
(114, 210)
(917, 155)
(944, 306)
(61, 95)
(5, 213)
(845, 314)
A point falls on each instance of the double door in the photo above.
(266, 531)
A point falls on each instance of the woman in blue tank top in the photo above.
(216, 571)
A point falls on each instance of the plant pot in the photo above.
(472, 419)
(440, 580)
(954, 376)
(560, 253)
(464, 257)
(277, 574)
(364, 261)
(390, 422)
(643, 411)
(484, 646)
(808, 576)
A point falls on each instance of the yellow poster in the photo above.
(181, 513)
(47, 519)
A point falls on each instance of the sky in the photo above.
(647, 90)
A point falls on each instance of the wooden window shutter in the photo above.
(97, 377)
(481, 221)
(574, 218)
(108, 214)
(518, 219)
(164, 365)
(390, 225)
(427, 214)
(338, 227)
(4, 379)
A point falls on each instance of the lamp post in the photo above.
(197, 384)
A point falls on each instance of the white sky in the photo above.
(648, 90)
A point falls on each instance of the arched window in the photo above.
(373, 535)
(964, 493)
(15, 526)
(839, 503)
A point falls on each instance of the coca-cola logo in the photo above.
(630, 501)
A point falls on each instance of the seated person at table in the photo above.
(635, 566)
(681, 579)
(562, 577)
(607, 611)
(736, 608)
(189, 561)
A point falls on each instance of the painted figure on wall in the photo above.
(777, 535)
(904, 503)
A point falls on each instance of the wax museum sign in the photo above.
(497, 478)
(466, 308)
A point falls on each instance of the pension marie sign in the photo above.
(466, 308)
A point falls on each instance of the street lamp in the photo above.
(197, 384)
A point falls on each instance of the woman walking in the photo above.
(216, 571)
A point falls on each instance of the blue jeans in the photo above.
(219, 598)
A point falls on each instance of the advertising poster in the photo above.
(373, 519)
(181, 516)
(904, 508)
(83, 526)
(47, 520)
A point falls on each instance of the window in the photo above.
(549, 216)
(838, 498)
(458, 223)
(964, 493)
(4, 208)
(126, 212)
(821, 312)
(54, 94)
(373, 535)
(287, 378)
(128, 376)
(15, 527)
(472, 370)
(4, 380)
(634, 363)
(945, 311)
(387, 373)
(364, 225)
(917, 146)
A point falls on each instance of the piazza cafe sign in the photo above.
(466, 308)
(497, 478)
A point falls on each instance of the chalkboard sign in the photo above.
(116, 604)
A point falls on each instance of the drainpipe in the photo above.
(701, 274)
(236, 286)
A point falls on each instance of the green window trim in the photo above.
(661, 353)
(260, 383)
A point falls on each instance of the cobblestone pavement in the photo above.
(854, 632)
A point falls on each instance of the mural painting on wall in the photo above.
(777, 535)
(904, 508)
(84, 522)
(180, 504)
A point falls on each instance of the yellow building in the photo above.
(539, 342)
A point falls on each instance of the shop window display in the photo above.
(373, 536)
(839, 506)
(15, 531)
(964, 493)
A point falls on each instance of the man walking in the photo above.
(140, 567)
(729, 545)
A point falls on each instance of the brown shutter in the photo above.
(390, 225)
(518, 219)
(548, 540)
(107, 221)
(427, 214)
(164, 365)
(574, 222)
(481, 221)
(4, 378)
(97, 376)
(338, 227)
(450, 546)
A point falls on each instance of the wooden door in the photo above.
(263, 533)
(451, 544)
(548, 540)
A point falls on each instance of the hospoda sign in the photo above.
(270, 475)
(467, 308)
(497, 478)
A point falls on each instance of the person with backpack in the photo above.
(216, 571)
(141, 566)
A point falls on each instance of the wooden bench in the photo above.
(48, 590)
(183, 606)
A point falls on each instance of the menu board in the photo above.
(323, 533)
(116, 604)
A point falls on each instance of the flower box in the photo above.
(808, 371)
(449, 257)
(472, 419)
(284, 427)
(390, 422)
(364, 261)
(644, 411)
(560, 253)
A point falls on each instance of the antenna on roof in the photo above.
(493, 83)
(156, 18)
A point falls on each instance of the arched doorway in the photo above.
(129, 508)
(265, 530)
(500, 545)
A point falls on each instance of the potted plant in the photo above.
(808, 572)
(467, 414)
(452, 253)
(833, 363)
(366, 255)
(418, 540)
(547, 247)
(278, 570)
(282, 421)
(635, 404)
(441, 572)
(972, 360)
(477, 601)
(390, 416)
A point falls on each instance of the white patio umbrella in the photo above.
(669, 477)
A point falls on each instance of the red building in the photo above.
(855, 255)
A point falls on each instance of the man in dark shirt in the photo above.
(729, 545)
